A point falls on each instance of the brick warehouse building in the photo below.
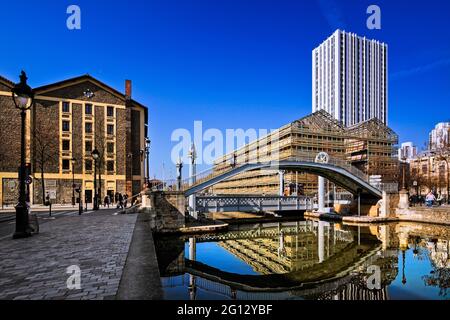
(69, 119)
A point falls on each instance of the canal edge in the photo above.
(141, 278)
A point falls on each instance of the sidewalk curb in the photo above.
(140, 277)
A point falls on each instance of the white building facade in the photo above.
(407, 151)
(440, 136)
(350, 78)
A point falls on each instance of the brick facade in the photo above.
(45, 122)
(10, 135)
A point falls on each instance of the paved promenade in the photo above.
(35, 268)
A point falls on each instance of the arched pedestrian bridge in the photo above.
(338, 172)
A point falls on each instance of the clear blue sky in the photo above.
(230, 63)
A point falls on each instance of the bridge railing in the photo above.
(213, 172)
(253, 203)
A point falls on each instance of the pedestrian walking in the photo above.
(106, 201)
(125, 199)
(120, 201)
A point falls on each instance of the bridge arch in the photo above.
(334, 173)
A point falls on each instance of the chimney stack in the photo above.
(128, 89)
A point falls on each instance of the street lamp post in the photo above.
(73, 160)
(404, 164)
(147, 159)
(23, 98)
(95, 155)
(130, 156)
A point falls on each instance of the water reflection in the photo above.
(308, 260)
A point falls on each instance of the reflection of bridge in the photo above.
(347, 288)
(350, 284)
(292, 260)
(275, 230)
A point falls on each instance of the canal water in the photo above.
(308, 260)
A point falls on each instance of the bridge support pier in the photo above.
(321, 196)
(281, 176)
(321, 241)
(192, 201)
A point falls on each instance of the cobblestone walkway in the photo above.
(35, 268)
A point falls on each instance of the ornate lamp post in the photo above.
(179, 174)
(147, 159)
(95, 155)
(73, 160)
(23, 98)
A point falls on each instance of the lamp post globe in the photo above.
(23, 98)
(95, 155)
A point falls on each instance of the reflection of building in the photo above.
(440, 136)
(301, 270)
(350, 78)
(294, 249)
(369, 146)
(407, 151)
(71, 118)
(440, 253)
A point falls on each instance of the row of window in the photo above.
(87, 127)
(88, 165)
(88, 146)
(87, 109)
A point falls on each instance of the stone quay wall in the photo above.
(167, 210)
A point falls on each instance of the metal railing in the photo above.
(213, 172)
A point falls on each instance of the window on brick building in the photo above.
(110, 111)
(88, 127)
(65, 107)
(88, 146)
(110, 129)
(88, 165)
(110, 147)
(66, 145)
(66, 126)
(88, 109)
(66, 164)
(110, 166)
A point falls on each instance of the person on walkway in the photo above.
(120, 202)
(116, 197)
(430, 199)
(439, 199)
(106, 201)
(125, 199)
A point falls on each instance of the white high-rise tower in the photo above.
(350, 78)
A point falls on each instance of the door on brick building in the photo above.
(110, 193)
(88, 196)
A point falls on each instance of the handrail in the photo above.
(213, 172)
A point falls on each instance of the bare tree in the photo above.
(101, 145)
(442, 154)
(44, 151)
